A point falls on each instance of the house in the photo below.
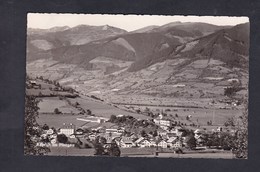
(111, 135)
(126, 142)
(133, 136)
(169, 135)
(171, 141)
(161, 132)
(67, 129)
(164, 137)
(219, 129)
(92, 137)
(109, 140)
(174, 142)
(138, 141)
(162, 144)
(176, 131)
(177, 144)
(120, 130)
(53, 140)
(50, 131)
(79, 131)
(95, 119)
(153, 142)
(163, 122)
(198, 133)
(142, 142)
(200, 140)
(145, 143)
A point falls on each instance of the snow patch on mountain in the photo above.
(189, 46)
(124, 43)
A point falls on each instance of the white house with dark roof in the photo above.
(126, 142)
(163, 122)
(142, 142)
(68, 130)
(145, 143)
(162, 144)
(138, 141)
(175, 131)
(177, 144)
(152, 142)
(171, 141)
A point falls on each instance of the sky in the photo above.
(126, 22)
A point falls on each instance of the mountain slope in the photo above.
(228, 45)
(151, 66)
(40, 40)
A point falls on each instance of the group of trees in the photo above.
(32, 130)
(57, 85)
(131, 121)
(62, 138)
(220, 140)
(231, 91)
(240, 148)
(102, 148)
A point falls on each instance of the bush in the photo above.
(57, 111)
(62, 138)
(45, 127)
(231, 91)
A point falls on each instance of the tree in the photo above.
(231, 91)
(138, 111)
(212, 139)
(114, 150)
(32, 131)
(45, 127)
(40, 94)
(209, 122)
(230, 122)
(89, 112)
(77, 104)
(99, 148)
(143, 133)
(57, 111)
(155, 133)
(191, 141)
(102, 140)
(62, 138)
(147, 109)
(112, 118)
(241, 136)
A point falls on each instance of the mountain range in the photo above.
(176, 60)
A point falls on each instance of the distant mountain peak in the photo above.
(58, 28)
(105, 27)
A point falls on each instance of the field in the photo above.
(137, 152)
(57, 121)
(199, 116)
(102, 109)
(201, 110)
(47, 105)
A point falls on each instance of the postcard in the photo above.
(136, 86)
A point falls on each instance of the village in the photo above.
(166, 137)
(157, 132)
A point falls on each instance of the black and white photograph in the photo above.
(165, 86)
